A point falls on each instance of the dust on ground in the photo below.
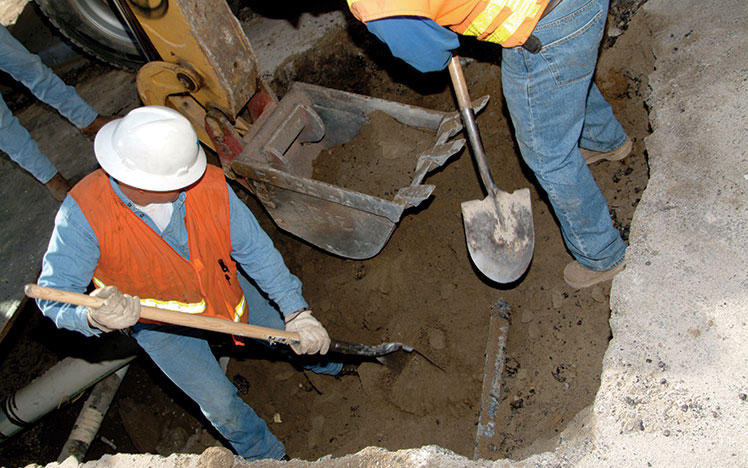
(421, 290)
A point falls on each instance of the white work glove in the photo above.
(118, 311)
(313, 337)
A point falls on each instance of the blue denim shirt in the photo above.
(73, 254)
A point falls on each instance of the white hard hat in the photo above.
(151, 148)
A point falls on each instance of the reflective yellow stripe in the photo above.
(486, 17)
(512, 24)
(351, 2)
(186, 307)
(521, 10)
(239, 309)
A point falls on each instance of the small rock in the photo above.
(437, 339)
(216, 457)
(557, 298)
(598, 295)
(526, 316)
(613, 31)
(447, 290)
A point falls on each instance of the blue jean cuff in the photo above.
(595, 268)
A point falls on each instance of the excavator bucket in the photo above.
(281, 147)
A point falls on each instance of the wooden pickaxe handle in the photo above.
(169, 316)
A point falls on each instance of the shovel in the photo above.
(393, 355)
(499, 228)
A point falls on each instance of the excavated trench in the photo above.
(420, 290)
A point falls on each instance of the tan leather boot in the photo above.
(58, 186)
(579, 277)
(615, 155)
(90, 131)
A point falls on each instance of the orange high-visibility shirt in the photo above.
(138, 261)
(505, 22)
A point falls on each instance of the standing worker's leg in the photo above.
(601, 131)
(16, 141)
(190, 364)
(602, 135)
(547, 97)
(28, 68)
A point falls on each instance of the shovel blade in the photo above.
(396, 361)
(500, 234)
(395, 356)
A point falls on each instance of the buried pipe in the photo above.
(56, 387)
(493, 373)
(90, 418)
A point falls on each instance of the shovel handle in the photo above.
(459, 84)
(471, 126)
(169, 316)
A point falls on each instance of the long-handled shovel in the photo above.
(499, 228)
(393, 355)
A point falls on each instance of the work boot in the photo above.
(579, 277)
(615, 155)
(58, 186)
(90, 131)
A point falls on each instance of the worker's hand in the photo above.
(313, 337)
(118, 311)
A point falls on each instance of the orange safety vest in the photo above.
(505, 22)
(141, 263)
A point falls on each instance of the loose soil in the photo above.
(378, 161)
(421, 290)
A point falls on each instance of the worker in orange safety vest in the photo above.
(158, 226)
(561, 120)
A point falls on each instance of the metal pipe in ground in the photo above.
(53, 389)
(89, 419)
(493, 374)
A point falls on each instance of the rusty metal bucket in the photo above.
(277, 163)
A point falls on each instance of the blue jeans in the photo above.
(555, 107)
(186, 358)
(28, 68)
